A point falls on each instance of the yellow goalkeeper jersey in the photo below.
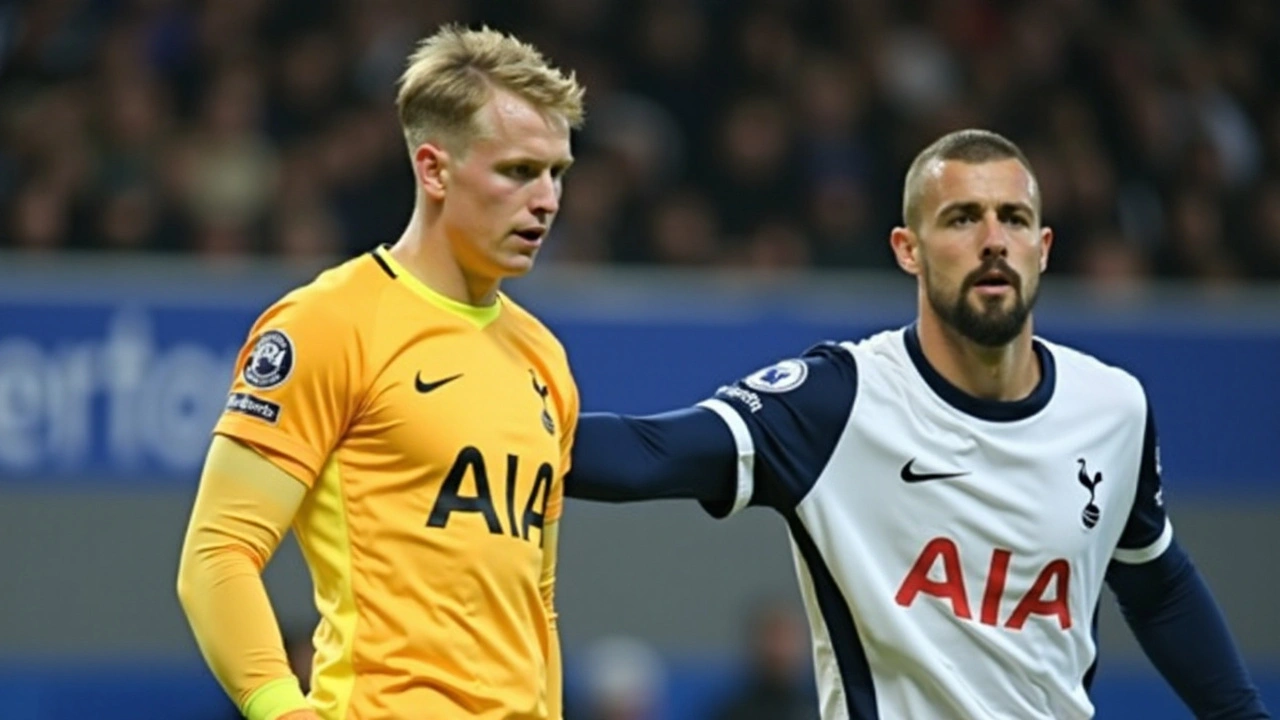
(433, 437)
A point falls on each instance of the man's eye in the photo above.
(522, 172)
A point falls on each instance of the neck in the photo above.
(424, 250)
(1008, 372)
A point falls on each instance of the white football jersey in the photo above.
(951, 551)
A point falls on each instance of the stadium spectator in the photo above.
(1161, 121)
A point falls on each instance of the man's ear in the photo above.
(431, 164)
(1046, 243)
(906, 249)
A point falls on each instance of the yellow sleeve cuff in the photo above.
(275, 699)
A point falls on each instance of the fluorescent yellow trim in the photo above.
(275, 699)
(476, 315)
(325, 541)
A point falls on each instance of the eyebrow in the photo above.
(974, 207)
(531, 160)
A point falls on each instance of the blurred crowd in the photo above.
(623, 678)
(761, 133)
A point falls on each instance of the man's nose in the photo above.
(546, 196)
(995, 236)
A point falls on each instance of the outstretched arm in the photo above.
(687, 453)
(1174, 617)
(761, 441)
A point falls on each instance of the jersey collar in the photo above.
(480, 316)
(995, 410)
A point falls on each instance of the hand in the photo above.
(299, 715)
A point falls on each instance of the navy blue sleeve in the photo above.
(687, 453)
(1174, 617)
(1147, 521)
(794, 413)
(763, 440)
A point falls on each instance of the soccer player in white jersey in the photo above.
(958, 490)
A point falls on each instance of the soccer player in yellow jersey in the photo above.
(413, 425)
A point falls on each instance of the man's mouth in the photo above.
(993, 282)
(532, 234)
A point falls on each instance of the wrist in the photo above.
(280, 699)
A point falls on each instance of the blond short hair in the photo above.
(453, 73)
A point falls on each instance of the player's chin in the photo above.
(515, 264)
(987, 300)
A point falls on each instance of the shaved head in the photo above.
(969, 146)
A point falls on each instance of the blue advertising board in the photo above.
(120, 385)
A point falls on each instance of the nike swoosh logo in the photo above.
(911, 476)
(426, 387)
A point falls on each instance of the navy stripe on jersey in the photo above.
(995, 410)
(1147, 518)
(1097, 652)
(796, 412)
(855, 671)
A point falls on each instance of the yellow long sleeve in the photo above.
(243, 508)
